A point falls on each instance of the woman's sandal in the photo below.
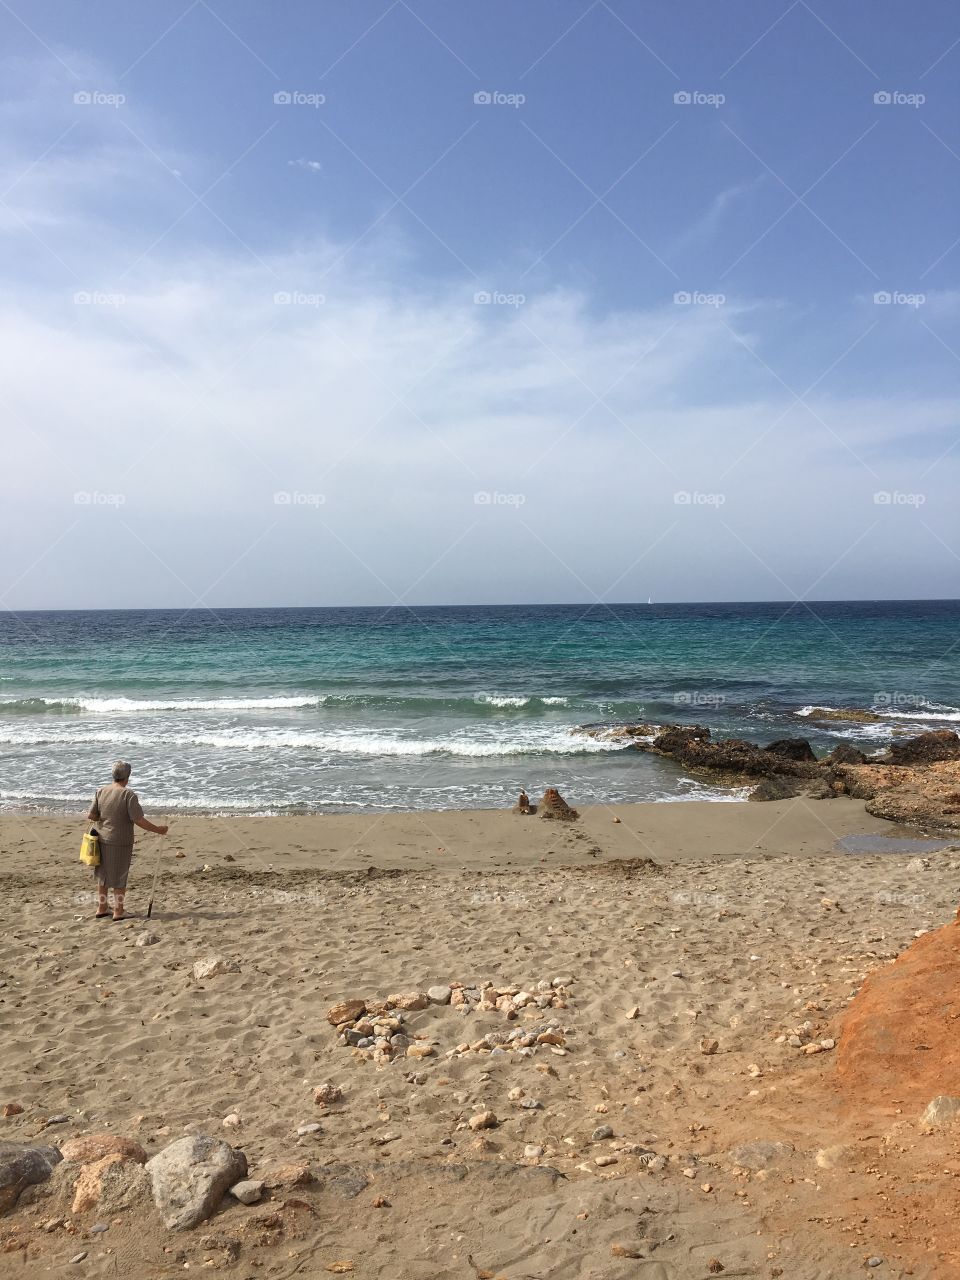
(103, 915)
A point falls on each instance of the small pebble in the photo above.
(98, 1228)
(604, 1131)
(874, 1262)
(78, 1257)
(61, 1119)
(304, 1129)
(603, 1161)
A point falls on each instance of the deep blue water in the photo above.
(268, 710)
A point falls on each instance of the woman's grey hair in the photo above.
(121, 771)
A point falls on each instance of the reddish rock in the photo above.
(97, 1146)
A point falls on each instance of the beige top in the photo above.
(115, 809)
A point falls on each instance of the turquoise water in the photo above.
(282, 710)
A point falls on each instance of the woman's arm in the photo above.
(146, 825)
(93, 813)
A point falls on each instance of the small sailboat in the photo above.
(649, 599)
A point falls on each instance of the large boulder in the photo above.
(939, 744)
(190, 1177)
(23, 1165)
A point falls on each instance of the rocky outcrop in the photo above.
(791, 749)
(23, 1165)
(190, 1177)
(939, 744)
(853, 715)
(844, 753)
(917, 781)
(741, 762)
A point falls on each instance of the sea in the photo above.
(270, 711)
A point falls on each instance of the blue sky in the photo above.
(212, 296)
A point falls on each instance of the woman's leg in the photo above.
(118, 896)
(102, 909)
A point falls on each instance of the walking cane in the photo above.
(156, 872)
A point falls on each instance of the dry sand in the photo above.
(750, 924)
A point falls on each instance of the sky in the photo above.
(419, 302)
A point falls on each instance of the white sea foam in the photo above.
(185, 704)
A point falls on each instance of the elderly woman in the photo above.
(116, 811)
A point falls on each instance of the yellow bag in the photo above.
(90, 849)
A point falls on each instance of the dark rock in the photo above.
(844, 753)
(677, 738)
(939, 744)
(23, 1165)
(791, 749)
(776, 789)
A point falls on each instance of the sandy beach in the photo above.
(687, 943)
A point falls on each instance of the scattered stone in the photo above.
(532, 1152)
(715, 1266)
(439, 995)
(232, 1121)
(23, 1165)
(345, 1011)
(289, 1175)
(942, 1110)
(632, 1014)
(421, 1051)
(603, 1161)
(532, 1104)
(411, 1001)
(626, 1250)
(324, 1096)
(213, 967)
(828, 1044)
(247, 1192)
(874, 1261)
(146, 939)
(709, 1046)
(382, 1202)
(78, 1257)
(190, 1176)
(754, 1071)
(483, 1120)
(12, 1109)
(676, 973)
(601, 1133)
(563, 981)
(60, 1118)
(99, 1228)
